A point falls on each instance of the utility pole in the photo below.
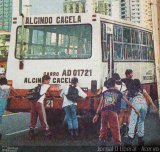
(27, 9)
(155, 6)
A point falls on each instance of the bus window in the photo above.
(135, 36)
(144, 53)
(135, 52)
(135, 45)
(150, 41)
(127, 52)
(118, 51)
(144, 39)
(104, 43)
(150, 47)
(118, 33)
(55, 42)
(150, 53)
(38, 37)
(104, 50)
(140, 37)
(126, 35)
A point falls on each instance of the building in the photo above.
(131, 10)
(146, 13)
(5, 15)
(115, 9)
(103, 7)
(125, 11)
(137, 11)
(79, 6)
(74, 6)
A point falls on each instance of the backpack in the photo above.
(72, 94)
(34, 94)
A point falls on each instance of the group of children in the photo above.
(123, 101)
(123, 104)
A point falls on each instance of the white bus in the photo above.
(90, 47)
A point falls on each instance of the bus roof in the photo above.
(122, 22)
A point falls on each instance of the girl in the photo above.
(140, 103)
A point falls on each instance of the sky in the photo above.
(46, 6)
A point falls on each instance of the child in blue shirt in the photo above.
(4, 94)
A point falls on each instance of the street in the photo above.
(15, 134)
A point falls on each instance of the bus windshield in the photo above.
(54, 42)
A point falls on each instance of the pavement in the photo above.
(15, 134)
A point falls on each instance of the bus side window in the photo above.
(127, 52)
(117, 44)
(104, 43)
(126, 35)
(118, 55)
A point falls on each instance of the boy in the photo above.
(110, 105)
(38, 109)
(129, 84)
(70, 107)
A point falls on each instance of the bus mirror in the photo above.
(21, 65)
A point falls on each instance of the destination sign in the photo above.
(50, 20)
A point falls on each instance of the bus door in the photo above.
(109, 39)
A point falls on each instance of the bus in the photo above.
(90, 47)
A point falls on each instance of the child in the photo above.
(70, 107)
(110, 106)
(140, 103)
(123, 113)
(5, 91)
(38, 109)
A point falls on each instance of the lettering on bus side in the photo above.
(68, 19)
(148, 78)
(64, 77)
(148, 75)
(39, 20)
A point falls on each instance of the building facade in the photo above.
(79, 6)
(103, 7)
(115, 9)
(5, 15)
(125, 11)
(146, 13)
(74, 6)
(137, 11)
